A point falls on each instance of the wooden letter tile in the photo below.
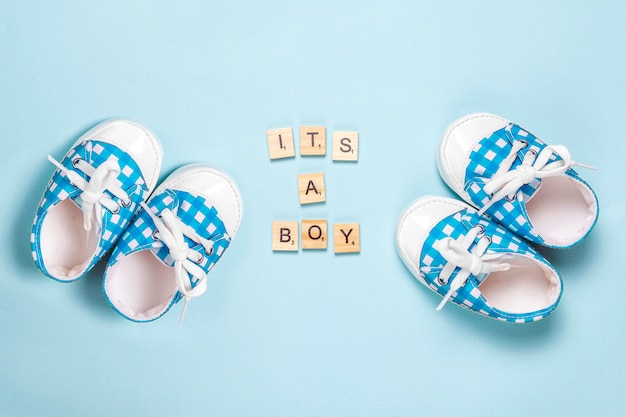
(345, 146)
(313, 140)
(285, 236)
(311, 188)
(314, 234)
(280, 143)
(347, 238)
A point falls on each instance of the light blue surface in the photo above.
(312, 333)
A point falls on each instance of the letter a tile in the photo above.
(311, 188)
(285, 236)
(347, 238)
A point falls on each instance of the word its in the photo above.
(346, 236)
(280, 143)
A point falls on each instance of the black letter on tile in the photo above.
(345, 145)
(346, 235)
(311, 187)
(319, 232)
(312, 134)
(285, 235)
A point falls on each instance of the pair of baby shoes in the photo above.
(517, 190)
(164, 241)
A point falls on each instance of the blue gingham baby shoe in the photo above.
(92, 196)
(475, 263)
(173, 242)
(516, 179)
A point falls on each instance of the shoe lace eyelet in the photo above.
(116, 210)
(76, 161)
(125, 203)
(154, 235)
(510, 199)
(481, 229)
(441, 281)
(524, 143)
(200, 260)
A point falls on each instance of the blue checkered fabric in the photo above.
(193, 210)
(469, 295)
(484, 161)
(60, 189)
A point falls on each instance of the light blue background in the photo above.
(312, 333)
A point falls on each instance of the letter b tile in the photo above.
(285, 236)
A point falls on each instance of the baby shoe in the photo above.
(472, 261)
(92, 196)
(173, 242)
(516, 179)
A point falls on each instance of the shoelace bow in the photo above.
(93, 195)
(476, 262)
(506, 182)
(171, 231)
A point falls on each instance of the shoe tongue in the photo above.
(480, 279)
(74, 197)
(171, 201)
(163, 253)
(184, 207)
(500, 242)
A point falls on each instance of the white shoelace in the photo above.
(506, 182)
(93, 195)
(171, 231)
(476, 262)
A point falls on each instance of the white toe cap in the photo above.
(415, 224)
(135, 139)
(457, 143)
(212, 184)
